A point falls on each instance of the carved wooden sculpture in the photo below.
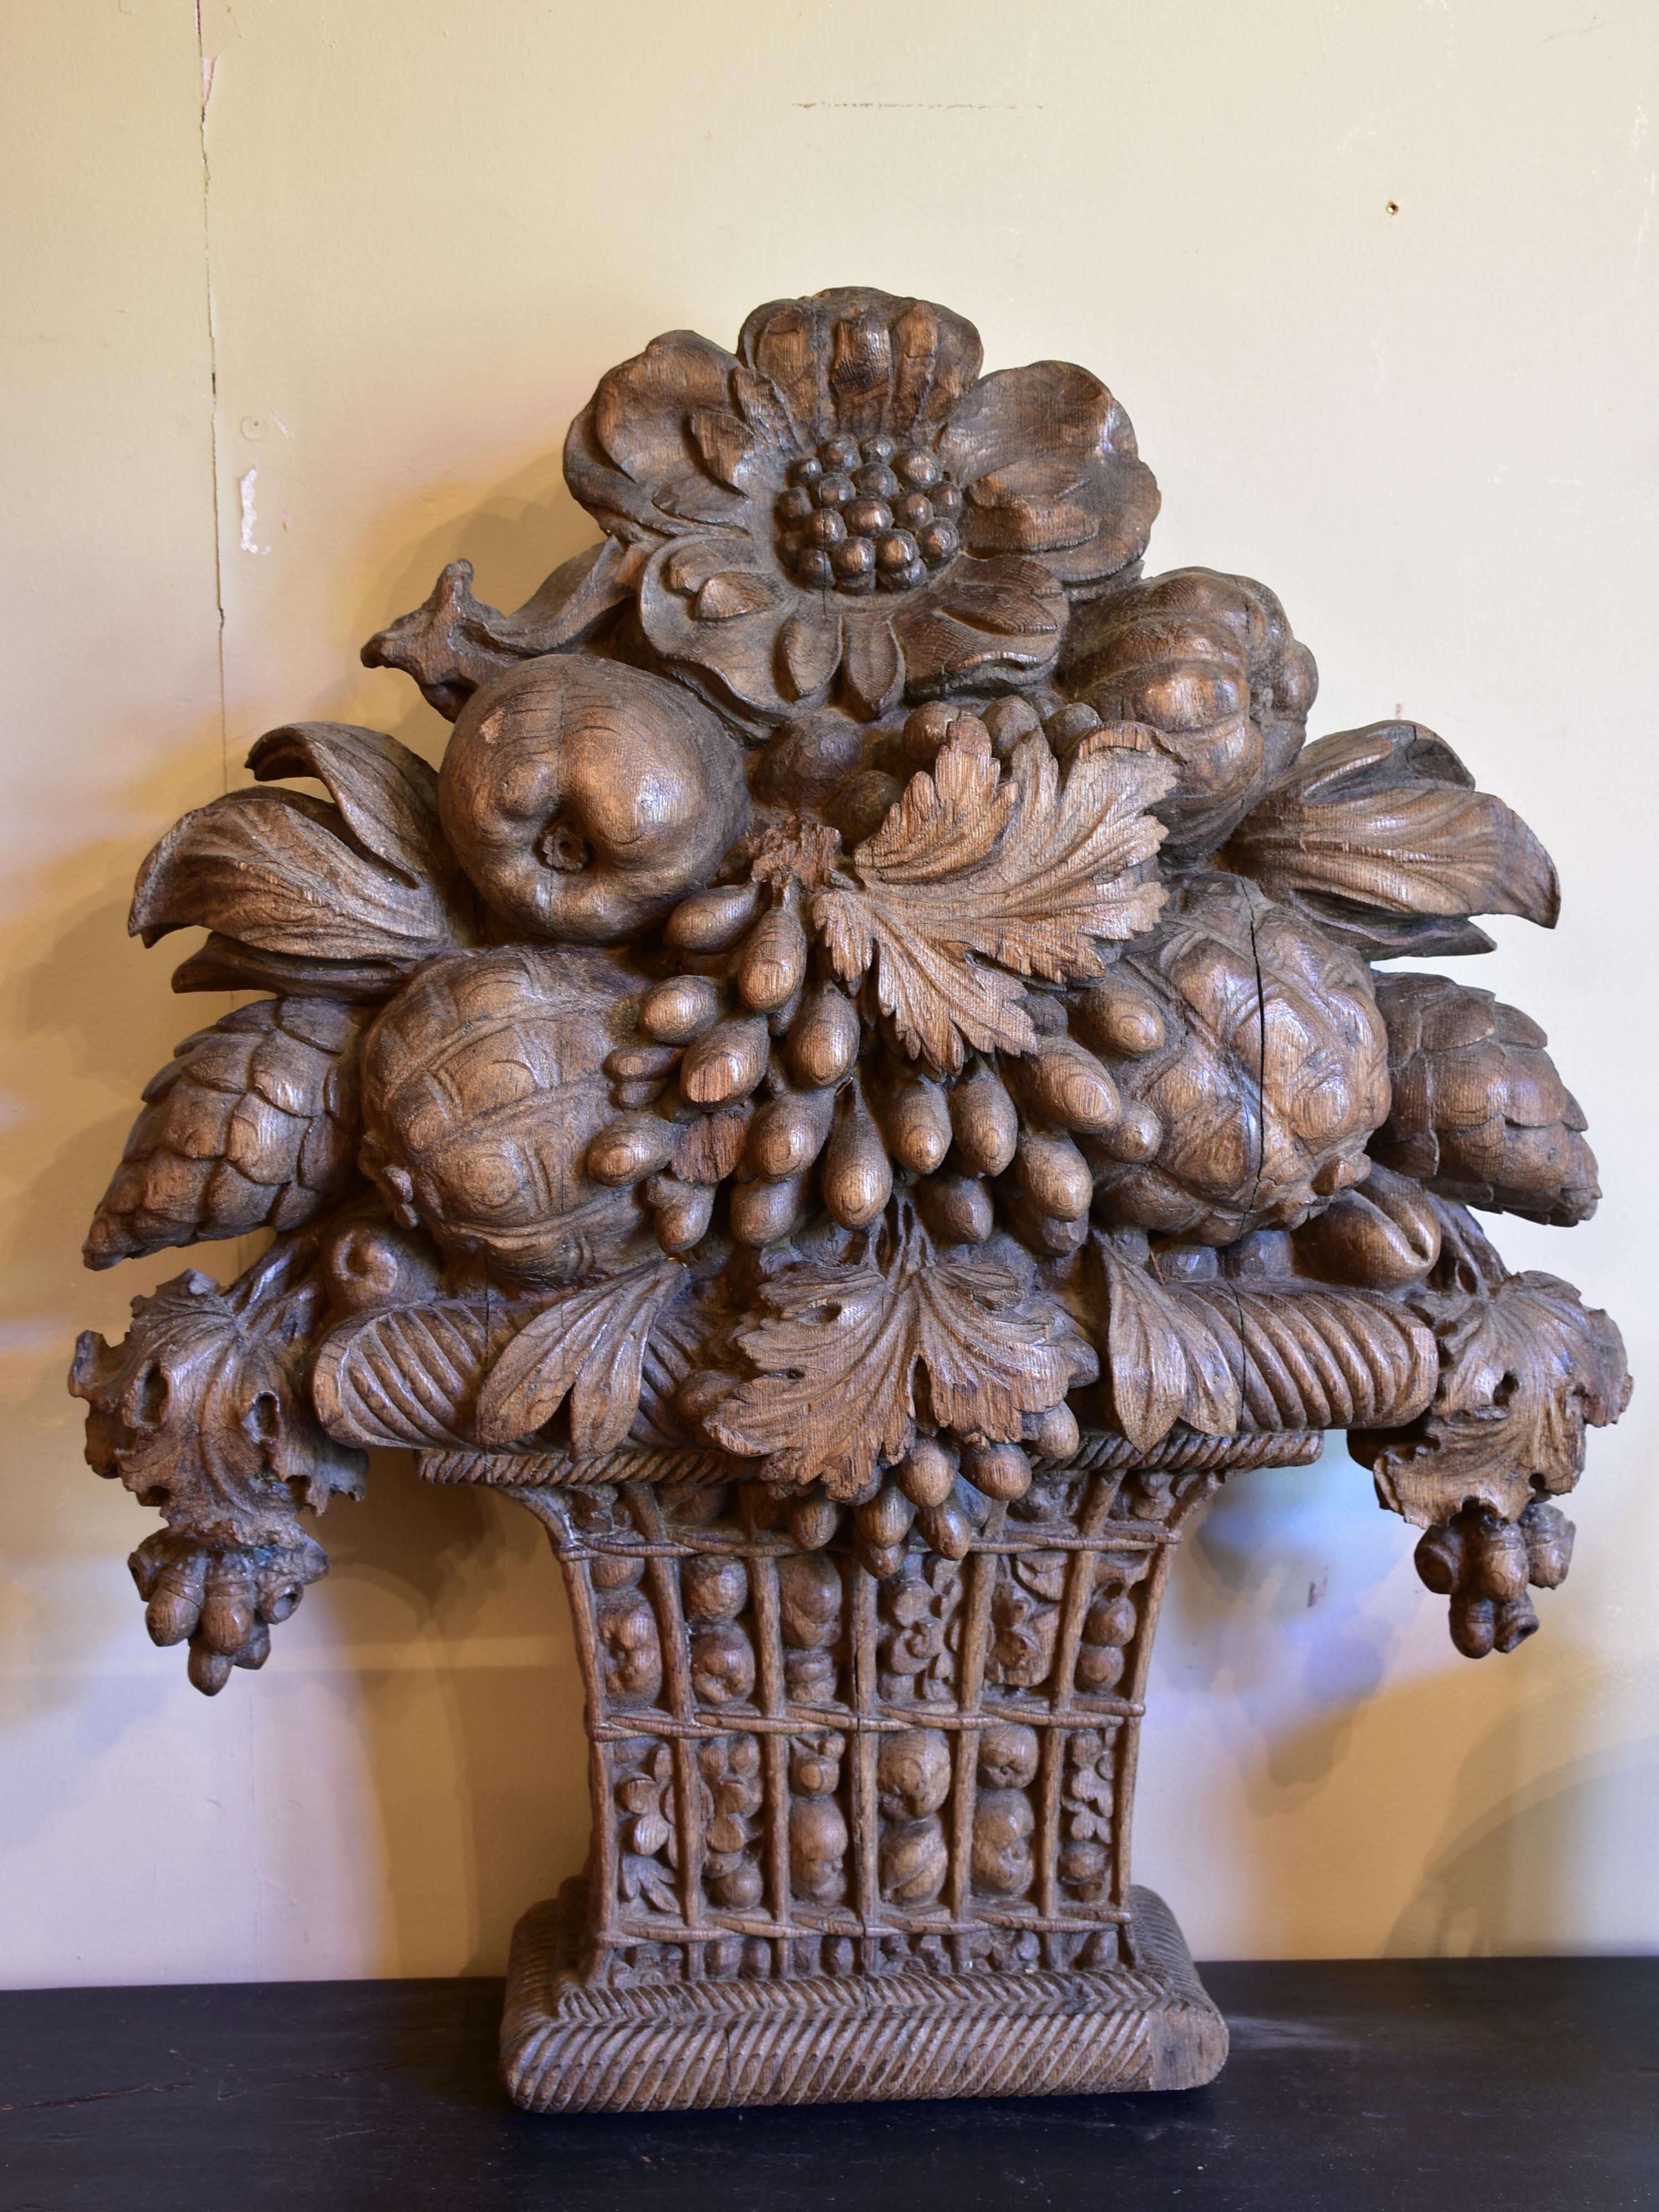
(857, 1094)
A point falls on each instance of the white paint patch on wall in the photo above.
(247, 486)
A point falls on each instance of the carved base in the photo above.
(684, 2047)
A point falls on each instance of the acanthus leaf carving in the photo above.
(1023, 871)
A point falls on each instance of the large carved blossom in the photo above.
(693, 459)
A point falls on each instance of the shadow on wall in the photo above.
(1499, 1806)
(1501, 1862)
(467, 1703)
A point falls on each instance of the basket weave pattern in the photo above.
(799, 1770)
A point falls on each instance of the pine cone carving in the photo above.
(252, 1124)
(1480, 1114)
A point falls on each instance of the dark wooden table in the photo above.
(1413, 2084)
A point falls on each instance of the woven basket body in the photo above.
(800, 1770)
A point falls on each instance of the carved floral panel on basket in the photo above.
(858, 1091)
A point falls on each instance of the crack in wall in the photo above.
(205, 65)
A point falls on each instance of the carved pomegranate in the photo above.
(1257, 1045)
(584, 800)
(484, 1082)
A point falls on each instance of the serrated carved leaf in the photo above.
(1022, 871)
(1169, 1359)
(836, 1395)
(1525, 1367)
(586, 1344)
(1387, 819)
(202, 1411)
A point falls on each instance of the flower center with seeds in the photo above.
(863, 515)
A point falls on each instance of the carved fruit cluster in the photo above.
(1484, 1563)
(870, 967)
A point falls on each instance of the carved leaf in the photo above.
(1169, 1358)
(836, 1396)
(368, 879)
(202, 1410)
(1022, 871)
(386, 794)
(221, 964)
(1386, 821)
(586, 1344)
(1524, 1368)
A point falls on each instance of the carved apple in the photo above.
(585, 798)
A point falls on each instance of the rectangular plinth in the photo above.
(687, 2046)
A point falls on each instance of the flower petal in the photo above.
(734, 592)
(727, 447)
(782, 340)
(658, 445)
(1029, 526)
(860, 364)
(695, 499)
(809, 648)
(731, 660)
(872, 665)
(615, 502)
(860, 361)
(936, 357)
(970, 625)
(641, 408)
(1008, 596)
(1019, 433)
(755, 398)
(693, 561)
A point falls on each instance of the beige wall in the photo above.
(405, 239)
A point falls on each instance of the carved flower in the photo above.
(846, 503)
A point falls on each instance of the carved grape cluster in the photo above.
(865, 514)
(1484, 1564)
